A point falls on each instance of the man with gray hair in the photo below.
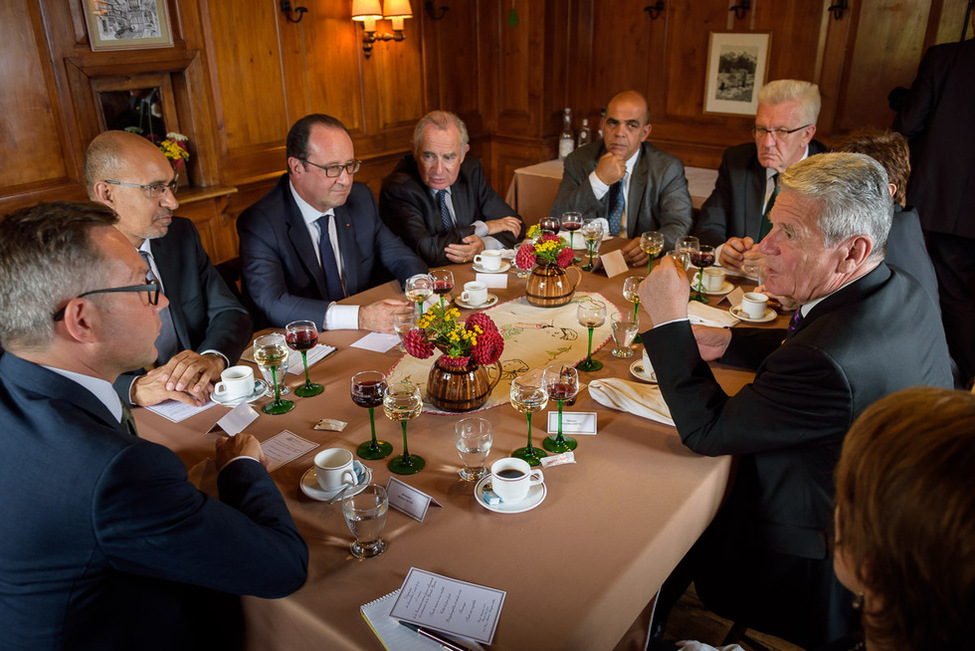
(863, 331)
(439, 201)
(735, 216)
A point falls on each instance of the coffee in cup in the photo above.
(488, 260)
(754, 305)
(713, 279)
(475, 294)
(511, 478)
(334, 468)
(236, 382)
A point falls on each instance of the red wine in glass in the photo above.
(302, 339)
(368, 390)
(702, 259)
(549, 225)
(564, 392)
(368, 393)
(441, 287)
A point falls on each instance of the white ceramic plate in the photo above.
(738, 313)
(492, 299)
(260, 390)
(309, 484)
(536, 495)
(637, 370)
(500, 270)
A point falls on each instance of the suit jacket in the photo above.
(937, 118)
(106, 544)
(906, 250)
(206, 314)
(281, 273)
(876, 336)
(657, 198)
(734, 208)
(409, 209)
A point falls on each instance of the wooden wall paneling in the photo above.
(620, 48)
(947, 19)
(833, 65)
(401, 82)
(520, 68)
(454, 61)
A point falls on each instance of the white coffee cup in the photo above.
(713, 279)
(474, 294)
(334, 469)
(489, 260)
(511, 478)
(754, 305)
(235, 382)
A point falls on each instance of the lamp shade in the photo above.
(366, 10)
(397, 9)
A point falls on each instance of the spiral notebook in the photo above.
(399, 638)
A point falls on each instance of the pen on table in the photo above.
(433, 636)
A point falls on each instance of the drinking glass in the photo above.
(404, 403)
(562, 384)
(269, 352)
(702, 257)
(419, 288)
(625, 326)
(651, 243)
(365, 513)
(592, 230)
(303, 336)
(549, 225)
(571, 221)
(631, 292)
(682, 258)
(529, 396)
(687, 244)
(473, 438)
(368, 389)
(591, 314)
(404, 320)
(443, 283)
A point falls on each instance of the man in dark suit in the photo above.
(936, 115)
(863, 331)
(439, 201)
(106, 545)
(626, 180)
(316, 238)
(205, 328)
(733, 217)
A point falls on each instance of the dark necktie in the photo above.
(448, 223)
(167, 343)
(766, 224)
(333, 282)
(794, 323)
(616, 206)
(128, 420)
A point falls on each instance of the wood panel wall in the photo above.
(240, 74)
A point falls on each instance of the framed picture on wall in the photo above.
(737, 65)
(129, 25)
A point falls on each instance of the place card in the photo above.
(735, 296)
(285, 447)
(409, 500)
(449, 605)
(573, 422)
(499, 281)
(614, 263)
(234, 421)
(176, 411)
(377, 341)
(297, 367)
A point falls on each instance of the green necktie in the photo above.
(766, 224)
(128, 420)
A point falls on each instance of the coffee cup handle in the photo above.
(464, 296)
(220, 389)
(477, 259)
(536, 477)
(348, 477)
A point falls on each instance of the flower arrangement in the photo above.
(477, 338)
(173, 146)
(547, 248)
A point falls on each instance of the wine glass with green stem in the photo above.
(631, 292)
(591, 314)
(403, 403)
(592, 231)
(303, 336)
(529, 396)
(651, 243)
(368, 390)
(562, 384)
(269, 352)
(419, 288)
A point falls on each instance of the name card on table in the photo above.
(493, 280)
(614, 263)
(573, 422)
(377, 341)
(284, 447)
(735, 296)
(176, 411)
(409, 500)
(234, 421)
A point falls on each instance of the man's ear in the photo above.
(104, 193)
(79, 321)
(856, 250)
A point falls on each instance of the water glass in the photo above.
(473, 438)
(624, 330)
(365, 513)
(404, 320)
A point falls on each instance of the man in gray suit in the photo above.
(626, 180)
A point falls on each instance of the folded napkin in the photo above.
(710, 316)
(644, 400)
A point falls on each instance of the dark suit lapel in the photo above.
(167, 261)
(851, 294)
(459, 194)
(754, 200)
(636, 192)
(300, 239)
(350, 259)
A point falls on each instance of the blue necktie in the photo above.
(333, 283)
(448, 223)
(766, 223)
(616, 206)
(167, 343)
(794, 323)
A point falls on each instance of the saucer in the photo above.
(580, 242)
(260, 390)
(492, 299)
(737, 312)
(309, 483)
(536, 495)
(500, 270)
(725, 289)
(636, 369)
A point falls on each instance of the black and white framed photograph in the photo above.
(737, 66)
(127, 24)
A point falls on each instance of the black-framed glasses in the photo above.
(777, 134)
(155, 190)
(335, 171)
(151, 289)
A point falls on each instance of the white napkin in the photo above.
(644, 400)
(710, 316)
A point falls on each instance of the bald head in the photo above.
(110, 152)
(631, 98)
(627, 123)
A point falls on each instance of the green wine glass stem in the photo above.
(589, 352)
(636, 309)
(529, 417)
(560, 420)
(372, 424)
(650, 264)
(304, 359)
(277, 389)
(406, 450)
(700, 281)
(591, 247)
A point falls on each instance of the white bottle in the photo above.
(585, 134)
(566, 140)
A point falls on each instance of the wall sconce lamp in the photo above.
(838, 8)
(286, 8)
(368, 12)
(741, 8)
(654, 9)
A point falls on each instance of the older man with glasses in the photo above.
(735, 216)
(204, 328)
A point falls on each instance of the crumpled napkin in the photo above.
(710, 316)
(644, 400)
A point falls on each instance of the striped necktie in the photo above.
(445, 219)
(766, 224)
(794, 323)
(616, 206)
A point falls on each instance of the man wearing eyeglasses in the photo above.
(316, 238)
(735, 215)
(205, 328)
(439, 201)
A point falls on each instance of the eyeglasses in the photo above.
(777, 134)
(335, 171)
(154, 191)
(151, 288)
